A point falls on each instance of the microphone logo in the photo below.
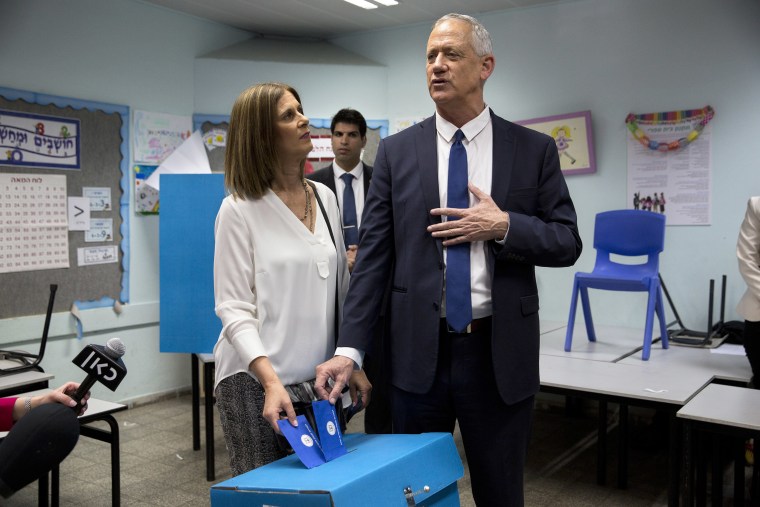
(99, 367)
(103, 364)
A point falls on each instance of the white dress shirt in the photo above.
(275, 286)
(478, 143)
(357, 185)
(479, 146)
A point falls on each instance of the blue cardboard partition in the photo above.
(189, 204)
(378, 470)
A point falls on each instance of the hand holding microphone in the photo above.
(102, 364)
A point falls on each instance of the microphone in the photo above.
(102, 364)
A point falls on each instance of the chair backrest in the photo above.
(29, 361)
(630, 233)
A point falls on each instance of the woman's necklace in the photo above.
(707, 114)
(307, 203)
(307, 214)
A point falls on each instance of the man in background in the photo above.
(349, 178)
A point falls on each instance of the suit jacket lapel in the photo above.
(427, 157)
(503, 160)
(330, 179)
(367, 175)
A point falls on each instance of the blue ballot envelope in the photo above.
(303, 441)
(312, 450)
(328, 426)
(377, 470)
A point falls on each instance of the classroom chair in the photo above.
(625, 233)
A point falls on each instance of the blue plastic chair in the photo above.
(630, 233)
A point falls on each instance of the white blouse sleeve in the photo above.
(234, 283)
(748, 247)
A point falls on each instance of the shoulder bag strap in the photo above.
(332, 237)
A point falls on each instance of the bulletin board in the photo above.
(98, 134)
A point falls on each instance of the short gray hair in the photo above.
(481, 39)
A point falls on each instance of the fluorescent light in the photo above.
(364, 4)
(387, 2)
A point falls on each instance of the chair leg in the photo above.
(587, 314)
(649, 323)
(660, 309)
(571, 318)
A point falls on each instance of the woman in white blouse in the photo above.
(748, 254)
(279, 271)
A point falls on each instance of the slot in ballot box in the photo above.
(378, 470)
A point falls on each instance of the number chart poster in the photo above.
(33, 222)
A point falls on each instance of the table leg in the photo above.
(690, 463)
(601, 444)
(55, 486)
(674, 459)
(716, 485)
(738, 444)
(623, 447)
(42, 491)
(196, 402)
(208, 393)
(755, 487)
(700, 461)
(112, 438)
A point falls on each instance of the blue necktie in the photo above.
(458, 300)
(350, 228)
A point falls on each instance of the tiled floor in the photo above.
(160, 468)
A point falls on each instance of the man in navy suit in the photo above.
(348, 130)
(483, 375)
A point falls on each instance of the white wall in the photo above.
(614, 58)
(121, 52)
(324, 89)
(327, 77)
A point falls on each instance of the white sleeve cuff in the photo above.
(503, 241)
(354, 354)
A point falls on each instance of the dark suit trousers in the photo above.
(495, 435)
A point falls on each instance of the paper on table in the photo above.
(189, 158)
(731, 349)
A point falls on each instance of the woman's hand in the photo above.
(64, 395)
(276, 403)
(276, 398)
(360, 389)
(61, 395)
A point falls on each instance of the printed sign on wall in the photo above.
(33, 222)
(36, 140)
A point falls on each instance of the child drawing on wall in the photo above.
(561, 135)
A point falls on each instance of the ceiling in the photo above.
(324, 19)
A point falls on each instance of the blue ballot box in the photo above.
(378, 470)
